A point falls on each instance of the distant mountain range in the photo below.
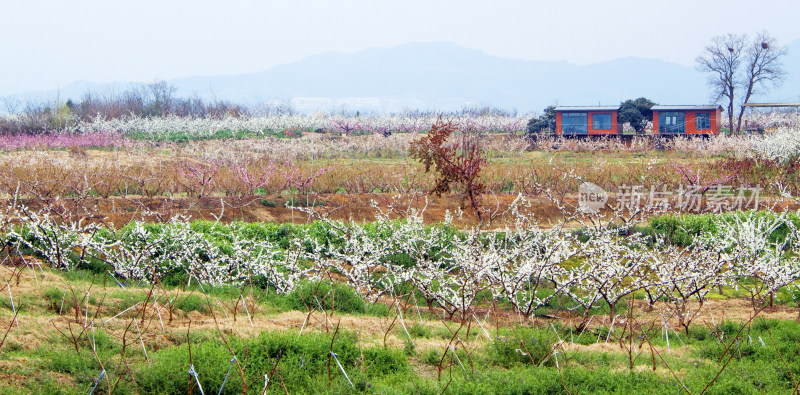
(444, 76)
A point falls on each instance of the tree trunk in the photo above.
(741, 111)
(739, 121)
(730, 116)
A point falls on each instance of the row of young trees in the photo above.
(156, 108)
(157, 99)
(525, 265)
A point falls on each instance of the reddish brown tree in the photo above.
(457, 163)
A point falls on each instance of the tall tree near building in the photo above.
(763, 67)
(722, 59)
(735, 62)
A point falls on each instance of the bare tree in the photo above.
(762, 66)
(721, 59)
(12, 104)
(162, 93)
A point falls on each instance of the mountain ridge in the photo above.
(445, 76)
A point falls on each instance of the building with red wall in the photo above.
(587, 121)
(683, 120)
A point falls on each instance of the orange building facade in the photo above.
(693, 120)
(587, 121)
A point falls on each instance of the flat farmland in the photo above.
(311, 261)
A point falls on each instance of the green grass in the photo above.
(683, 229)
(301, 362)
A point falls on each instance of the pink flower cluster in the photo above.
(61, 140)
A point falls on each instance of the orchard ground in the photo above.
(61, 329)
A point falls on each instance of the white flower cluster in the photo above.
(765, 120)
(136, 252)
(780, 145)
(529, 266)
(525, 265)
(158, 127)
(746, 239)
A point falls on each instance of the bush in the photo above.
(324, 295)
(192, 303)
(545, 122)
(54, 297)
(508, 351)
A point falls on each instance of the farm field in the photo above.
(230, 258)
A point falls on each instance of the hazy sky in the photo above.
(48, 44)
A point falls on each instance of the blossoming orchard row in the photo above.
(413, 122)
(379, 124)
(524, 265)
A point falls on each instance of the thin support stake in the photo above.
(304, 325)
(611, 328)
(342, 369)
(555, 331)
(244, 302)
(93, 343)
(64, 296)
(555, 356)
(484, 329)
(196, 379)
(141, 340)
(679, 336)
(457, 358)
(122, 312)
(402, 322)
(97, 381)
(585, 327)
(226, 376)
(223, 309)
(266, 383)
(13, 309)
(155, 306)
(115, 279)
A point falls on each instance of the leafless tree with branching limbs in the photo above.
(721, 59)
(762, 60)
(734, 63)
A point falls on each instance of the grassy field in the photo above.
(71, 326)
(377, 286)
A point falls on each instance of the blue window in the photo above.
(575, 122)
(601, 121)
(703, 121)
(671, 122)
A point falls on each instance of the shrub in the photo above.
(511, 350)
(336, 297)
(192, 303)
